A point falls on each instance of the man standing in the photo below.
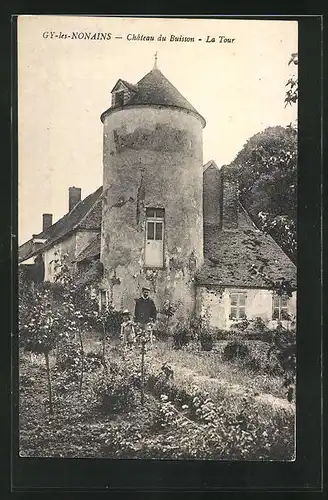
(145, 310)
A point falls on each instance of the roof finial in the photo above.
(155, 62)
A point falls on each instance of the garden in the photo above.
(194, 394)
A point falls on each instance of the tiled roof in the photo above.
(92, 219)
(209, 164)
(92, 274)
(232, 255)
(90, 251)
(130, 85)
(155, 89)
(85, 215)
(25, 250)
(73, 218)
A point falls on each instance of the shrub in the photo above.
(164, 414)
(114, 392)
(235, 350)
(259, 325)
(283, 350)
(221, 334)
(205, 429)
(113, 321)
(240, 325)
(254, 364)
(26, 381)
(161, 332)
(68, 356)
(93, 361)
(206, 340)
(181, 335)
(200, 330)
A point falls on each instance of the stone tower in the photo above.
(152, 229)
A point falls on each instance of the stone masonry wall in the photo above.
(152, 158)
(229, 199)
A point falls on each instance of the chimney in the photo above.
(211, 194)
(46, 221)
(74, 196)
(37, 243)
(229, 204)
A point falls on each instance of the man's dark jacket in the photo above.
(145, 310)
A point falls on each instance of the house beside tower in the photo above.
(244, 269)
(164, 220)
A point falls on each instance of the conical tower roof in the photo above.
(154, 89)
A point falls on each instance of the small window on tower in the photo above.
(154, 251)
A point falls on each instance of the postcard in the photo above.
(157, 166)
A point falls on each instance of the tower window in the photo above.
(154, 245)
(280, 307)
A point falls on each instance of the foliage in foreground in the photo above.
(173, 424)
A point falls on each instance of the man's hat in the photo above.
(126, 311)
(146, 288)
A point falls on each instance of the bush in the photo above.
(68, 356)
(206, 341)
(181, 336)
(254, 364)
(235, 350)
(161, 333)
(92, 361)
(114, 392)
(217, 430)
(113, 321)
(26, 381)
(221, 334)
(258, 325)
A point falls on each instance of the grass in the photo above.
(207, 367)
(207, 371)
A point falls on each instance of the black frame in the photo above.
(305, 473)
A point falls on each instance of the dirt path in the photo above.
(220, 387)
(238, 390)
(189, 377)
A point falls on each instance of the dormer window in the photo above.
(122, 92)
(119, 98)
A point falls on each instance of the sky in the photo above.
(64, 85)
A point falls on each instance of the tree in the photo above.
(56, 315)
(79, 311)
(267, 173)
(292, 84)
(39, 325)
